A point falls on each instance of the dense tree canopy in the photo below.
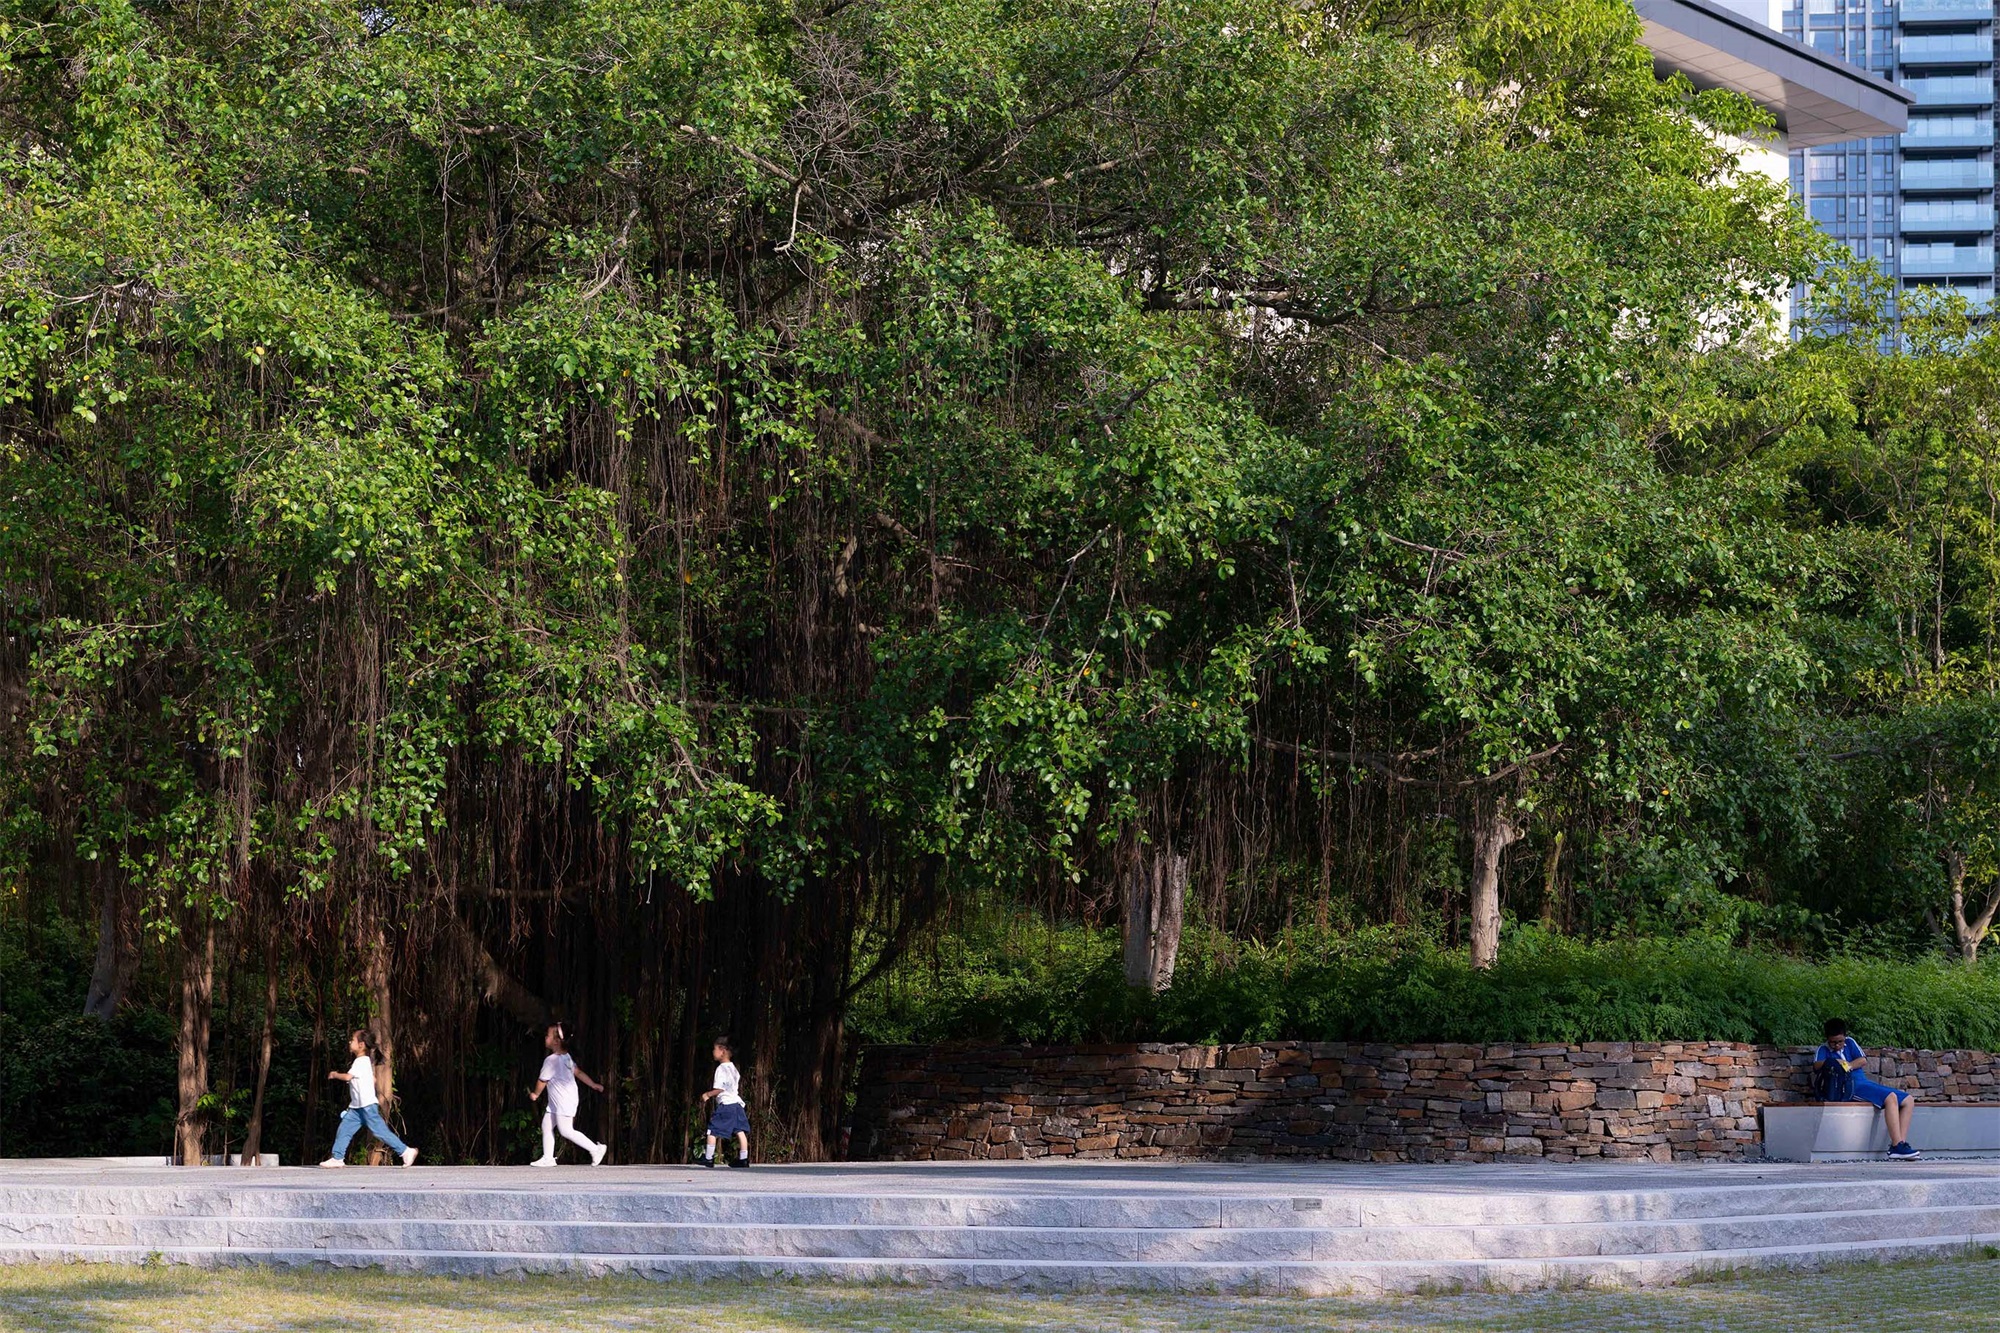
(629, 510)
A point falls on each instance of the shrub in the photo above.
(1019, 984)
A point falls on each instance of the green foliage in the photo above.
(1352, 395)
(72, 1085)
(1039, 985)
(1893, 453)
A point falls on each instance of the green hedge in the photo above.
(1018, 983)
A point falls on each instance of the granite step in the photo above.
(1909, 1188)
(1299, 1277)
(387, 1196)
(1479, 1241)
(678, 1204)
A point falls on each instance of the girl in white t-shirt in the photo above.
(559, 1077)
(363, 1106)
(727, 1119)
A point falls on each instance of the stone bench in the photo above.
(1853, 1131)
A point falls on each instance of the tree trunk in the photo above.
(1971, 932)
(685, 1117)
(112, 972)
(376, 960)
(813, 1049)
(1494, 830)
(253, 1133)
(315, 1072)
(614, 979)
(197, 997)
(1156, 877)
(1552, 884)
(496, 985)
(222, 1074)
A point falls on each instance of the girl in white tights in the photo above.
(559, 1078)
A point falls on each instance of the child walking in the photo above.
(728, 1118)
(363, 1107)
(560, 1077)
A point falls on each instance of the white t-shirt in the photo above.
(360, 1083)
(727, 1081)
(559, 1072)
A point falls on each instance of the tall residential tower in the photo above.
(1919, 203)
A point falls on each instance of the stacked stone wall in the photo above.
(1669, 1101)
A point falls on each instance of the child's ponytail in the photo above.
(366, 1036)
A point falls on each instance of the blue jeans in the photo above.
(353, 1118)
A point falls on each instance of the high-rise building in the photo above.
(1920, 203)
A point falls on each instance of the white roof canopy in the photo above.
(1816, 99)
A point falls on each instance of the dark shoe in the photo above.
(743, 1162)
(1903, 1152)
(708, 1162)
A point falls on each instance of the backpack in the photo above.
(1831, 1083)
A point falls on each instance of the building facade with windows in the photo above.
(1919, 203)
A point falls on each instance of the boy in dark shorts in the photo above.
(727, 1119)
(1842, 1050)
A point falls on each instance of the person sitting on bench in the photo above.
(1842, 1052)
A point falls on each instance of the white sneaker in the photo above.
(409, 1157)
(597, 1154)
(543, 1162)
(333, 1162)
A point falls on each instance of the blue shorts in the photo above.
(1867, 1090)
(727, 1121)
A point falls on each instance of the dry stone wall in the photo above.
(1667, 1101)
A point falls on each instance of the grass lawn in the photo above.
(1960, 1296)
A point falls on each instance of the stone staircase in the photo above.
(1302, 1233)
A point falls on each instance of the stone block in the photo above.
(1576, 1096)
